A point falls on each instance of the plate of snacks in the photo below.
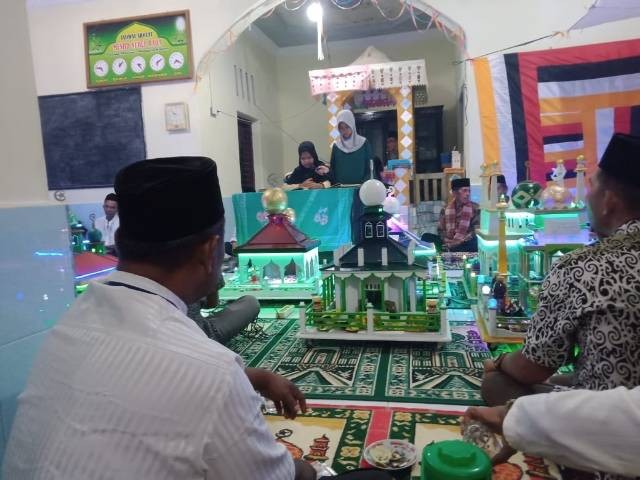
(391, 454)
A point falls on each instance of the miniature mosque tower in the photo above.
(489, 192)
(580, 187)
(484, 186)
(502, 239)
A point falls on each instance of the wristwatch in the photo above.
(498, 361)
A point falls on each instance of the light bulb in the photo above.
(314, 12)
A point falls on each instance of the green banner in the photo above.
(136, 50)
(321, 214)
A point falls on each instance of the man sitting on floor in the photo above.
(459, 219)
(590, 299)
(579, 428)
(224, 324)
(126, 386)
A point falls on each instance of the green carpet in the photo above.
(417, 372)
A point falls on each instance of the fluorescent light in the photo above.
(314, 12)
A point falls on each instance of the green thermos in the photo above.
(454, 460)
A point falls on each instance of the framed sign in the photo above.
(151, 48)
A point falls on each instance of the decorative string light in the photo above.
(315, 14)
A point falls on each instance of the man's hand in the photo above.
(489, 366)
(309, 183)
(287, 398)
(304, 471)
(492, 417)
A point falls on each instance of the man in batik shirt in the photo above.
(590, 298)
(459, 219)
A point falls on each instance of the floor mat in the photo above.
(447, 373)
(338, 436)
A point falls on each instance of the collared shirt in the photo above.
(126, 386)
(591, 299)
(580, 428)
(474, 224)
(108, 229)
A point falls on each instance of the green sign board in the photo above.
(323, 214)
(151, 48)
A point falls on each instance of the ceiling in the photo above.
(289, 28)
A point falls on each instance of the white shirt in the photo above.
(108, 229)
(127, 387)
(584, 429)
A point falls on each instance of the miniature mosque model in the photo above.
(279, 261)
(378, 289)
(518, 245)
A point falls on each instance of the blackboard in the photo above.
(89, 136)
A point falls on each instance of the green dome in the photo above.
(526, 195)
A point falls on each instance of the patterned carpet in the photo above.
(426, 373)
(338, 436)
(422, 428)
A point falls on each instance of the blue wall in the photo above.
(36, 288)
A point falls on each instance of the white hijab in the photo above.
(356, 141)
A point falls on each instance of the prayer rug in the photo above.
(424, 427)
(448, 373)
(336, 436)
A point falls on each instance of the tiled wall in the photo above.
(36, 287)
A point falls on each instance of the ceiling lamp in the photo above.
(315, 14)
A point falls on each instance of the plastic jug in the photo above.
(454, 460)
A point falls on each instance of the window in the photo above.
(380, 230)
(368, 230)
(245, 150)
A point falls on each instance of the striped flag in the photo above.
(538, 107)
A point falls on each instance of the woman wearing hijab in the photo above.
(310, 172)
(351, 153)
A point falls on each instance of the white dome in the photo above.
(372, 193)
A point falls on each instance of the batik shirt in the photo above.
(473, 225)
(591, 298)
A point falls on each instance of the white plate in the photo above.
(391, 454)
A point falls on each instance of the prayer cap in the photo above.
(621, 159)
(168, 199)
(457, 183)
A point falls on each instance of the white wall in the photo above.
(58, 58)
(305, 118)
(22, 177)
(253, 54)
